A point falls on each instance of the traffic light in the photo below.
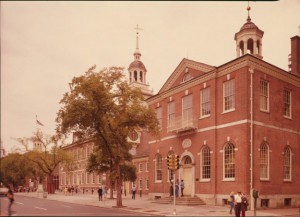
(170, 162)
(177, 165)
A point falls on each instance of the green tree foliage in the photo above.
(102, 106)
(15, 168)
(48, 157)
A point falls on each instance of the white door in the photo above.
(187, 175)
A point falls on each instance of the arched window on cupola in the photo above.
(141, 76)
(250, 48)
(241, 46)
(135, 75)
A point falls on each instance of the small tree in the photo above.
(102, 106)
(48, 157)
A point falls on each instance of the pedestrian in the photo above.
(177, 188)
(231, 202)
(133, 191)
(100, 191)
(10, 195)
(238, 204)
(181, 187)
(171, 188)
(244, 204)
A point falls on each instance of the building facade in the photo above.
(234, 126)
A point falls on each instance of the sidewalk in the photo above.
(146, 206)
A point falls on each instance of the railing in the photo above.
(182, 125)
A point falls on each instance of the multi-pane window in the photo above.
(147, 166)
(171, 114)
(140, 167)
(82, 178)
(187, 110)
(93, 178)
(287, 103)
(287, 162)
(264, 95)
(100, 178)
(158, 168)
(159, 116)
(264, 161)
(87, 178)
(229, 161)
(205, 102)
(140, 184)
(147, 183)
(228, 95)
(205, 163)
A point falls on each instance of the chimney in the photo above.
(295, 56)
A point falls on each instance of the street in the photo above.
(31, 206)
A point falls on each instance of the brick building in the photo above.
(235, 126)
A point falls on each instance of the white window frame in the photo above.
(229, 96)
(187, 109)
(264, 158)
(171, 114)
(205, 102)
(140, 184)
(226, 176)
(159, 116)
(264, 88)
(287, 103)
(147, 167)
(287, 164)
(202, 166)
(158, 167)
(140, 167)
(147, 183)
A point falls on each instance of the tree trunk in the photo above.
(119, 187)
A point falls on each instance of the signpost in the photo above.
(173, 164)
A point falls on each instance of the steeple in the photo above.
(137, 52)
(137, 70)
(249, 38)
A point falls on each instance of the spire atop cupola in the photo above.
(249, 38)
(137, 52)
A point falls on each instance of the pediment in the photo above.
(186, 70)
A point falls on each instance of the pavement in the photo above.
(145, 205)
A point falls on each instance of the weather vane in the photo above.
(137, 28)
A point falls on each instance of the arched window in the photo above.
(264, 161)
(287, 162)
(250, 48)
(187, 160)
(141, 76)
(205, 163)
(241, 46)
(229, 161)
(135, 75)
(158, 167)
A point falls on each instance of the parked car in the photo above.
(3, 191)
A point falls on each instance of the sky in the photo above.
(44, 44)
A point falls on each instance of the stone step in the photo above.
(187, 201)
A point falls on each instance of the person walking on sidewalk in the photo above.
(231, 202)
(238, 204)
(11, 199)
(133, 191)
(100, 193)
(244, 205)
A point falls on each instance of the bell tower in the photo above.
(249, 38)
(137, 70)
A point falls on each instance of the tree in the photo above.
(102, 106)
(46, 159)
(10, 172)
